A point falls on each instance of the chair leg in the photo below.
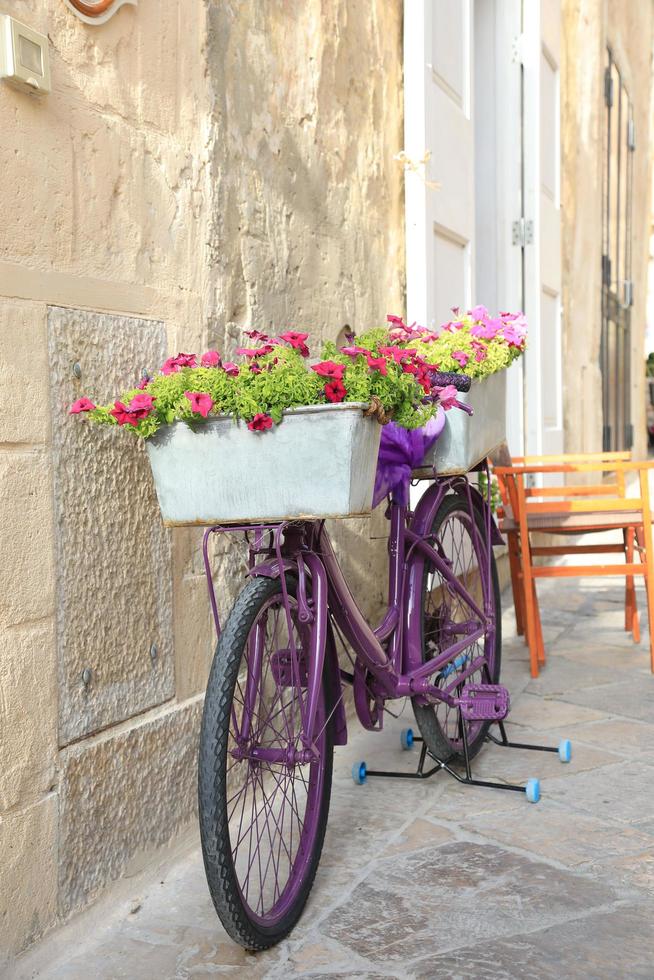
(517, 584)
(540, 645)
(631, 619)
(648, 556)
(532, 617)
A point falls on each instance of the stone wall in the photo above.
(197, 168)
(588, 27)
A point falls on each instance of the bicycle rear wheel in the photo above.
(263, 807)
(443, 614)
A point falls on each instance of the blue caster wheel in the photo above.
(532, 790)
(565, 750)
(359, 773)
(406, 738)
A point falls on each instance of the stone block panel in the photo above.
(24, 404)
(28, 876)
(114, 577)
(123, 795)
(28, 714)
(26, 557)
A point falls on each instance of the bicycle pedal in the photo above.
(484, 702)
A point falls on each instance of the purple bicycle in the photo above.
(274, 706)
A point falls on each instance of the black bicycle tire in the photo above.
(430, 728)
(212, 788)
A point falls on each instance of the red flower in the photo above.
(174, 364)
(256, 335)
(230, 368)
(200, 402)
(123, 415)
(81, 405)
(211, 359)
(329, 369)
(335, 391)
(260, 422)
(397, 321)
(144, 382)
(377, 364)
(297, 340)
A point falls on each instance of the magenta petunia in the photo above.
(397, 321)
(461, 357)
(329, 369)
(297, 340)
(354, 351)
(211, 359)
(81, 405)
(144, 382)
(174, 364)
(335, 391)
(141, 402)
(447, 397)
(378, 364)
(255, 351)
(478, 312)
(201, 403)
(123, 415)
(260, 422)
(230, 368)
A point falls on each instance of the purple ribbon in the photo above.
(400, 452)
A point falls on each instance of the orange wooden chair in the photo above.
(577, 510)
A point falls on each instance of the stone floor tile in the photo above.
(627, 698)
(569, 676)
(619, 735)
(542, 713)
(606, 945)
(622, 792)
(482, 890)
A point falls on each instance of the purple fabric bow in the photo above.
(400, 451)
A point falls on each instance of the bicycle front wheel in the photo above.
(445, 616)
(263, 807)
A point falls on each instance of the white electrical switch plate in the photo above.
(24, 56)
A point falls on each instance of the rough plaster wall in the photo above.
(588, 26)
(307, 223)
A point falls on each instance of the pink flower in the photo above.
(255, 369)
(488, 328)
(335, 391)
(211, 359)
(329, 369)
(141, 403)
(480, 351)
(447, 397)
(398, 354)
(297, 340)
(144, 382)
(260, 422)
(174, 364)
(455, 310)
(478, 312)
(81, 405)
(255, 351)
(123, 415)
(354, 351)
(230, 368)
(256, 335)
(512, 336)
(461, 357)
(201, 403)
(378, 364)
(396, 321)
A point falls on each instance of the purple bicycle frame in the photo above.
(304, 549)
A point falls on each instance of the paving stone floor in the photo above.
(436, 880)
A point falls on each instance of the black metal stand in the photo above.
(467, 779)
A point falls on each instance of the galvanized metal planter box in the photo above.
(467, 439)
(320, 462)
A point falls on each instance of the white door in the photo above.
(482, 97)
(540, 53)
(440, 221)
